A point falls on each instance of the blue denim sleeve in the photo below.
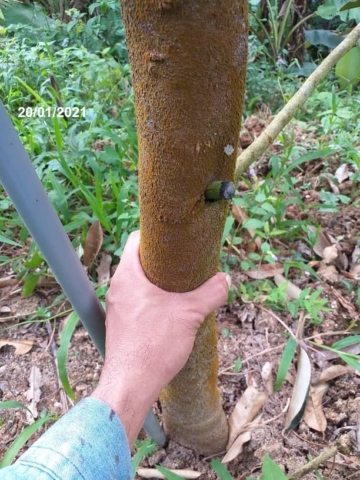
(88, 443)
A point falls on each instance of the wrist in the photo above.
(128, 401)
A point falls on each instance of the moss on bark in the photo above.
(188, 60)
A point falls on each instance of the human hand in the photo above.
(149, 334)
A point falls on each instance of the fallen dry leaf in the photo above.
(300, 392)
(292, 291)
(333, 186)
(21, 346)
(328, 272)
(314, 416)
(266, 270)
(325, 240)
(8, 281)
(342, 173)
(343, 462)
(343, 302)
(330, 254)
(5, 309)
(153, 473)
(267, 376)
(244, 412)
(93, 242)
(34, 393)
(103, 270)
(237, 446)
(332, 372)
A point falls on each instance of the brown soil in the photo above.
(252, 332)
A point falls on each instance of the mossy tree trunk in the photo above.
(188, 60)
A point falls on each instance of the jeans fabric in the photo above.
(88, 443)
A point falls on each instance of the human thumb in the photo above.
(213, 293)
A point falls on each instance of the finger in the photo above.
(130, 258)
(213, 293)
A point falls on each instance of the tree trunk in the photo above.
(188, 60)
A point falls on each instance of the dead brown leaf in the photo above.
(93, 242)
(266, 270)
(344, 303)
(34, 393)
(267, 377)
(328, 273)
(21, 346)
(8, 281)
(103, 270)
(314, 416)
(244, 412)
(292, 291)
(332, 372)
(333, 186)
(342, 173)
(237, 446)
(330, 254)
(325, 240)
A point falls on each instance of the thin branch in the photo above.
(313, 464)
(257, 148)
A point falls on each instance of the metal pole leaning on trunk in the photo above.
(24, 188)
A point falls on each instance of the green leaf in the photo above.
(348, 67)
(350, 360)
(253, 224)
(147, 447)
(237, 365)
(13, 404)
(9, 241)
(346, 342)
(167, 474)
(65, 338)
(306, 158)
(271, 471)
(35, 261)
(228, 224)
(221, 470)
(30, 282)
(20, 441)
(323, 37)
(286, 359)
(350, 5)
(331, 8)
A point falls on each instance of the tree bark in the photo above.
(188, 60)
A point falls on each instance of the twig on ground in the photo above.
(313, 464)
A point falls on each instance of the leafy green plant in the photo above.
(221, 470)
(270, 470)
(285, 362)
(144, 448)
(278, 29)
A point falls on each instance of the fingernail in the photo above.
(228, 280)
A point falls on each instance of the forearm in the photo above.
(88, 443)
